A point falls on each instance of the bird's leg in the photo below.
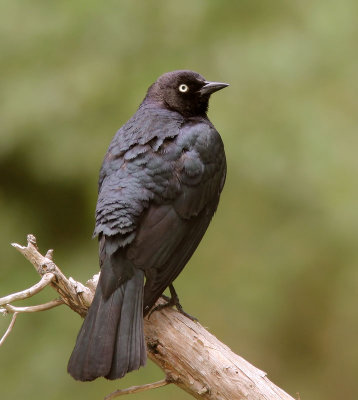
(166, 298)
(173, 300)
(169, 303)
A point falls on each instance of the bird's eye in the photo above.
(183, 88)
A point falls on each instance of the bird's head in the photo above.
(184, 91)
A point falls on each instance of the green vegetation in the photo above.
(276, 276)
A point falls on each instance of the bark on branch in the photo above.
(191, 357)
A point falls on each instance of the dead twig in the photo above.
(7, 308)
(137, 389)
(9, 329)
(25, 294)
(40, 307)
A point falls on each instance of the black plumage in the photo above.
(159, 187)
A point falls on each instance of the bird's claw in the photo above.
(172, 301)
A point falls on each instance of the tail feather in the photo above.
(130, 332)
(111, 341)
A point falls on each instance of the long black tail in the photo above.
(111, 341)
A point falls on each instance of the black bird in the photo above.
(159, 186)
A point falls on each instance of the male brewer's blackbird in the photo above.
(159, 187)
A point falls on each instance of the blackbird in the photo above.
(159, 186)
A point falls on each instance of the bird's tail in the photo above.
(111, 341)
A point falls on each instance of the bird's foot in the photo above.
(180, 309)
(166, 298)
(172, 301)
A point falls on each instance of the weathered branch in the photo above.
(78, 297)
(24, 294)
(137, 389)
(202, 365)
(9, 329)
(40, 307)
(190, 356)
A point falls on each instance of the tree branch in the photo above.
(76, 296)
(24, 294)
(137, 389)
(190, 356)
(40, 307)
(9, 329)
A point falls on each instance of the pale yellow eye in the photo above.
(183, 88)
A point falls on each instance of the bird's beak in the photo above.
(211, 87)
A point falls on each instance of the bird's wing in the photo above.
(133, 171)
(164, 245)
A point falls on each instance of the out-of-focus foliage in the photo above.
(276, 276)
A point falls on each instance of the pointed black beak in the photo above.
(211, 87)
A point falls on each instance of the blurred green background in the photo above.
(276, 275)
